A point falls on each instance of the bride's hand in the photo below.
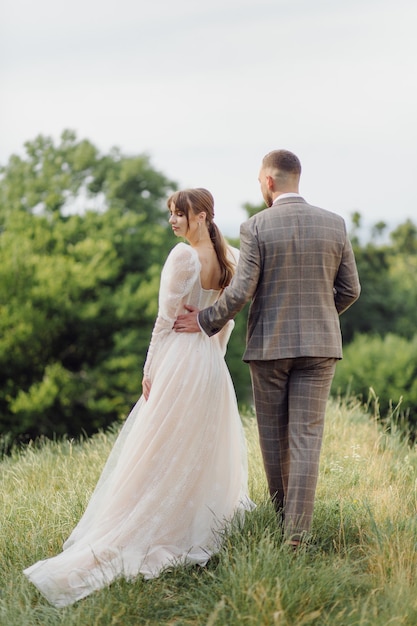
(146, 387)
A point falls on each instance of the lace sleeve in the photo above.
(178, 276)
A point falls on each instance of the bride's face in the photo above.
(179, 223)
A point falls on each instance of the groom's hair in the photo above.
(282, 160)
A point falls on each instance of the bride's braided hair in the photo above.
(198, 200)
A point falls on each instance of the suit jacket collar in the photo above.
(288, 200)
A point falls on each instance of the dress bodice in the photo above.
(199, 297)
(180, 285)
(180, 282)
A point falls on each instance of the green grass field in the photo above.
(360, 568)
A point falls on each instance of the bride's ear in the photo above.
(202, 216)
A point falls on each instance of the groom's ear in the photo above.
(270, 183)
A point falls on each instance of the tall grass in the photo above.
(359, 569)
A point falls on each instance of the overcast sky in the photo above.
(206, 89)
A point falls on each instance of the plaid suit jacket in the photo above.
(298, 269)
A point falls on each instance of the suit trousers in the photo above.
(290, 401)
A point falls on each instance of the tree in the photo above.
(404, 238)
(380, 330)
(252, 209)
(388, 301)
(83, 237)
(82, 242)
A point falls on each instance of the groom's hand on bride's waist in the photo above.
(188, 322)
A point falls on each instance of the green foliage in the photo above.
(83, 237)
(359, 569)
(239, 371)
(388, 301)
(83, 240)
(379, 330)
(82, 243)
(404, 238)
(382, 370)
(252, 209)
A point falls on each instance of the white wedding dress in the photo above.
(177, 474)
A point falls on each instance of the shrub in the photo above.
(383, 369)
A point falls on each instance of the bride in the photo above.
(177, 474)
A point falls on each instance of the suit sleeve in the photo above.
(242, 287)
(347, 286)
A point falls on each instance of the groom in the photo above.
(298, 269)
